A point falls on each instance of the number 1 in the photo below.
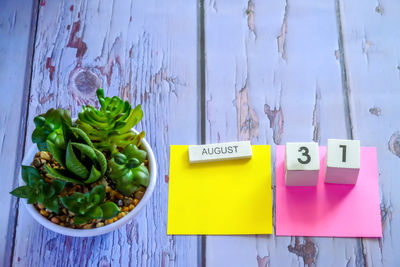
(343, 147)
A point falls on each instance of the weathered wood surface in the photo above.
(275, 71)
(141, 51)
(294, 70)
(15, 61)
(371, 63)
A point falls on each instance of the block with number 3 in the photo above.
(302, 164)
(342, 161)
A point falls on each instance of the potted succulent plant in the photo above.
(91, 175)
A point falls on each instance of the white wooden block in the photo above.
(342, 161)
(220, 151)
(302, 164)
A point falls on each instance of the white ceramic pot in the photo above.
(101, 230)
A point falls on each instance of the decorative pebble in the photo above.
(44, 155)
(105, 183)
(87, 226)
(55, 220)
(119, 195)
(36, 163)
(120, 203)
(139, 194)
(125, 209)
(99, 224)
(44, 213)
(128, 201)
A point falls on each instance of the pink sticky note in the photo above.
(329, 209)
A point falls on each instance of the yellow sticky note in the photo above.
(230, 197)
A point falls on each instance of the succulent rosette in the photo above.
(110, 127)
(81, 161)
(126, 169)
(37, 190)
(90, 205)
(49, 126)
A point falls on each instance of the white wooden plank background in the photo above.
(16, 24)
(371, 60)
(275, 71)
(140, 51)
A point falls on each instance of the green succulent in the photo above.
(90, 205)
(126, 169)
(81, 162)
(49, 126)
(110, 127)
(78, 149)
(37, 190)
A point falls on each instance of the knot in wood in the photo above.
(86, 82)
(394, 144)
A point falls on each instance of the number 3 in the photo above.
(305, 154)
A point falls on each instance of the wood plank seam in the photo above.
(23, 127)
(343, 69)
(201, 76)
(361, 257)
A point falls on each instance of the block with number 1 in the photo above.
(302, 164)
(342, 161)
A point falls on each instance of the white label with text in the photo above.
(220, 151)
